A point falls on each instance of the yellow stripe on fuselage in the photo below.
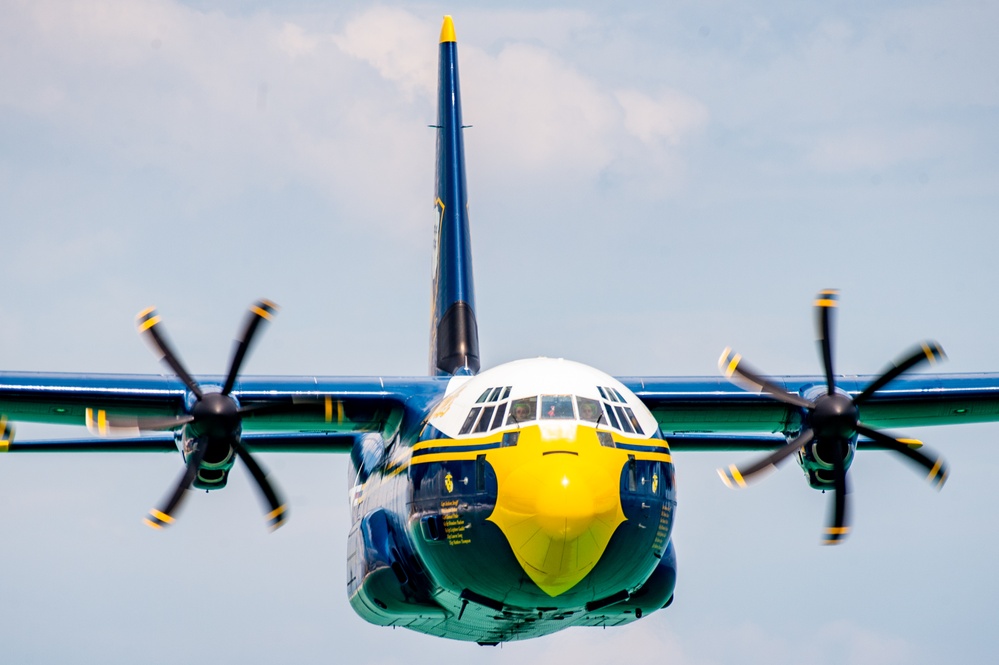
(532, 435)
(491, 449)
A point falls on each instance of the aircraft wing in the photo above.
(308, 413)
(284, 413)
(711, 413)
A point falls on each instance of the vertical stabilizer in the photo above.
(454, 335)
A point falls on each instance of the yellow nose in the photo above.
(558, 509)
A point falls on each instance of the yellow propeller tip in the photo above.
(725, 478)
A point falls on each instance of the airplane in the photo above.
(510, 503)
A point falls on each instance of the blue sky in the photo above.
(647, 187)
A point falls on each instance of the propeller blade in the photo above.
(164, 423)
(831, 418)
(837, 531)
(825, 303)
(278, 508)
(734, 477)
(733, 367)
(161, 517)
(147, 320)
(930, 352)
(6, 434)
(936, 468)
(260, 311)
(214, 416)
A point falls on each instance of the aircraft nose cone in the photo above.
(558, 510)
(564, 507)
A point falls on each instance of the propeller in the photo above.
(831, 420)
(215, 421)
(6, 434)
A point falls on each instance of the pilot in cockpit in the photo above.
(523, 410)
(589, 409)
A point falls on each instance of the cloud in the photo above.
(294, 41)
(874, 148)
(397, 45)
(538, 112)
(670, 117)
(222, 105)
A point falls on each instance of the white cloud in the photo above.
(874, 148)
(397, 44)
(670, 116)
(537, 112)
(226, 104)
(294, 41)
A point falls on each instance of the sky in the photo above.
(647, 186)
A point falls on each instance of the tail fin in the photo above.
(454, 335)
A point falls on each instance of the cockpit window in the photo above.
(497, 393)
(557, 407)
(487, 415)
(611, 417)
(469, 421)
(494, 410)
(498, 418)
(523, 410)
(633, 420)
(589, 409)
(625, 423)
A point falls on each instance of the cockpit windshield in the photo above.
(492, 410)
(589, 409)
(523, 410)
(557, 407)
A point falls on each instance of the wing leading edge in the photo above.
(694, 407)
(292, 414)
(322, 406)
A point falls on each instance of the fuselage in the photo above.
(527, 498)
(533, 496)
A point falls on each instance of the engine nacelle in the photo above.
(213, 473)
(816, 458)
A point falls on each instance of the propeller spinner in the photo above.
(215, 421)
(832, 420)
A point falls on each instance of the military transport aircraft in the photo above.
(514, 502)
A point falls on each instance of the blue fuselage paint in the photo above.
(423, 554)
